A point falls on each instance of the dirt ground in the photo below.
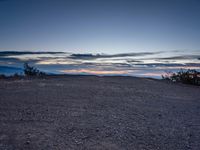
(103, 113)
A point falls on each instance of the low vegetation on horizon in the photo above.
(32, 71)
(186, 77)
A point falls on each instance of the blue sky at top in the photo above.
(99, 26)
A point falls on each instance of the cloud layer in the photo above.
(133, 64)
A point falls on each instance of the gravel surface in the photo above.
(103, 113)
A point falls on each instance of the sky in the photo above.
(101, 37)
(99, 26)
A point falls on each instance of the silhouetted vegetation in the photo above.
(32, 71)
(16, 75)
(187, 77)
(2, 76)
(29, 71)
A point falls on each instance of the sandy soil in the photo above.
(88, 112)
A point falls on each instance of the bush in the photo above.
(32, 71)
(187, 77)
(2, 76)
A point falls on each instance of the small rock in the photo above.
(28, 142)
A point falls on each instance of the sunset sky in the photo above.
(103, 37)
(99, 26)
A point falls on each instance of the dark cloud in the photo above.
(180, 57)
(11, 53)
(91, 56)
(193, 64)
(160, 65)
(10, 60)
(133, 61)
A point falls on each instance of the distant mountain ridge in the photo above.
(7, 70)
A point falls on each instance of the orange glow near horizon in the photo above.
(97, 72)
(153, 74)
